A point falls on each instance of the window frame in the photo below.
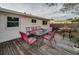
(33, 20)
(44, 22)
(15, 22)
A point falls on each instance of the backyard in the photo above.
(74, 35)
(39, 29)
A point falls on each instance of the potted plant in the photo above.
(76, 44)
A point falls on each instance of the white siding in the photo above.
(1, 23)
(7, 33)
(12, 33)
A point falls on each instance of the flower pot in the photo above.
(75, 48)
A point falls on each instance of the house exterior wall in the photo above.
(46, 26)
(13, 32)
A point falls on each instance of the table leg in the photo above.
(40, 42)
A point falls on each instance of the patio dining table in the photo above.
(39, 34)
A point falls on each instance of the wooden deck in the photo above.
(20, 47)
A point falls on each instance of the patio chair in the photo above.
(29, 40)
(28, 30)
(49, 30)
(50, 37)
(33, 30)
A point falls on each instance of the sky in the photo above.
(39, 9)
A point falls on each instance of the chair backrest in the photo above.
(50, 29)
(27, 28)
(32, 28)
(32, 32)
(35, 28)
(24, 36)
(53, 34)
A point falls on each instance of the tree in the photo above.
(70, 19)
(67, 7)
(75, 19)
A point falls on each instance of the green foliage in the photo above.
(70, 19)
(76, 41)
(66, 7)
(69, 5)
(74, 19)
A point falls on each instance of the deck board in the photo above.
(21, 47)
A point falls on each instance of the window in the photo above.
(12, 22)
(44, 22)
(33, 20)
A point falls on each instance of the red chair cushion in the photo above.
(50, 29)
(47, 37)
(49, 33)
(31, 40)
(24, 36)
(32, 32)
